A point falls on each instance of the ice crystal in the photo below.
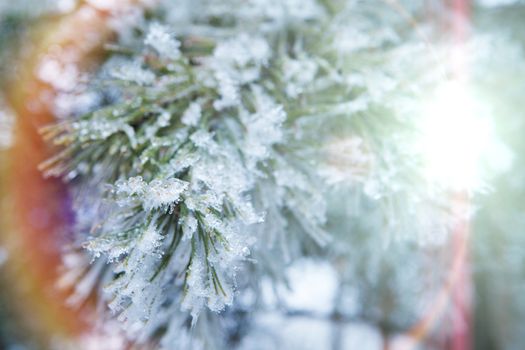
(159, 38)
(237, 61)
(133, 72)
(228, 90)
(192, 115)
(134, 185)
(162, 193)
(298, 73)
(242, 51)
(189, 227)
(263, 128)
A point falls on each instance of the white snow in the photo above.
(192, 115)
(162, 41)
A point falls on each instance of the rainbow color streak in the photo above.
(36, 212)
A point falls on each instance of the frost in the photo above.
(158, 194)
(204, 140)
(298, 73)
(133, 72)
(100, 128)
(163, 193)
(182, 163)
(264, 127)
(159, 38)
(134, 185)
(217, 301)
(150, 240)
(211, 272)
(242, 51)
(189, 227)
(228, 89)
(235, 62)
(163, 119)
(192, 115)
(194, 300)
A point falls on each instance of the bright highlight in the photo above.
(454, 136)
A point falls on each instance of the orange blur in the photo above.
(37, 214)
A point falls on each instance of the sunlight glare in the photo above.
(454, 135)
